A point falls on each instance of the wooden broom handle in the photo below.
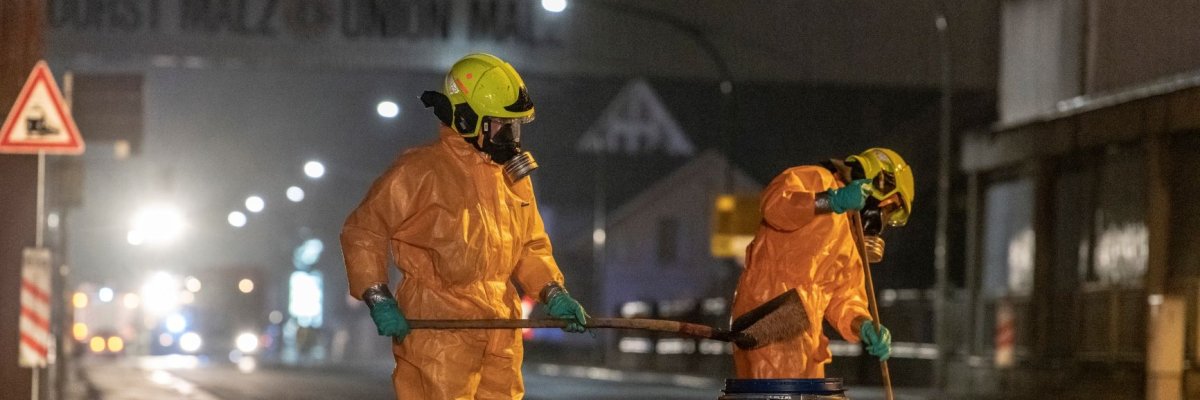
(860, 240)
(683, 328)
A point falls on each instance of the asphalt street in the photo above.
(138, 379)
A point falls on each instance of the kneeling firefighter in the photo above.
(462, 223)
(805, 244)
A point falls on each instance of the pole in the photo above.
(41, 220)
(600, 232)
(41, 197)
(34, 395)
(945, 151)
(857, 230)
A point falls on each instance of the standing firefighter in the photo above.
(462, 223)
(805, 244)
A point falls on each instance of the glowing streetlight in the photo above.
(135, 238)
(295, 194)
(247, 342)
(176, 323)
(314, 169)
(160, 223)
(79, 331)
(387, 109)
(161, 292)
(255, 204)
(554, 5)
(237, 219)
(80, 300)
(246, 285)
(189, 342)
(192, 284)
(105, 294)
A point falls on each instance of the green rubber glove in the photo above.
(389, 321)
(851, 197)
(878, 344)
(562, 306)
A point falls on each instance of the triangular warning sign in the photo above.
(636, 122)
(39, 120)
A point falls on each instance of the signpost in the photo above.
(38, 123)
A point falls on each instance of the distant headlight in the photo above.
(247, 342)
(189, 342)
(115, 344)
(96, 344)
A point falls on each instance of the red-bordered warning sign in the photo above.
(39, 120)
(34, 329)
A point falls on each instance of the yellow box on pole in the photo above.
(735, 220)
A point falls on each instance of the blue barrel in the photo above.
(784, 389)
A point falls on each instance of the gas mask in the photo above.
(872, 220)
(500, 139)
(877, 215)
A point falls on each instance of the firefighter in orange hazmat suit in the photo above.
(805, 244)
(462, 223)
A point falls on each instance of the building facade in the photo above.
(1080, 277)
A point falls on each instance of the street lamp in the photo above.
(255, 204)
(247, 342)
(156, 224)
(295, 194)
(161, 292)
(314, 169)
(176, 323)
(237, 219)
(246, 285)
(387, 109)
(189, 342)
(192, 284)
(105, 294)
(554, 6)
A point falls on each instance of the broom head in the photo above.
(781, 318)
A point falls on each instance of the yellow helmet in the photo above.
(482, 85)
(890, 176)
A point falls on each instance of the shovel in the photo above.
(757, 327)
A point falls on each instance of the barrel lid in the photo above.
(808, 386)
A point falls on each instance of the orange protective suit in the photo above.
(459, 233)
(813, 253)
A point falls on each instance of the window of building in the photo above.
(1008, 239)
(1007, 256)
(1120, 242)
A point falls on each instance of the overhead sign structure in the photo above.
(39, 121)
(34, 329)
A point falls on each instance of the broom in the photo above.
(656, 325)
(781, 318)
(856, 228)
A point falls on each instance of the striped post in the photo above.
(35, 309)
